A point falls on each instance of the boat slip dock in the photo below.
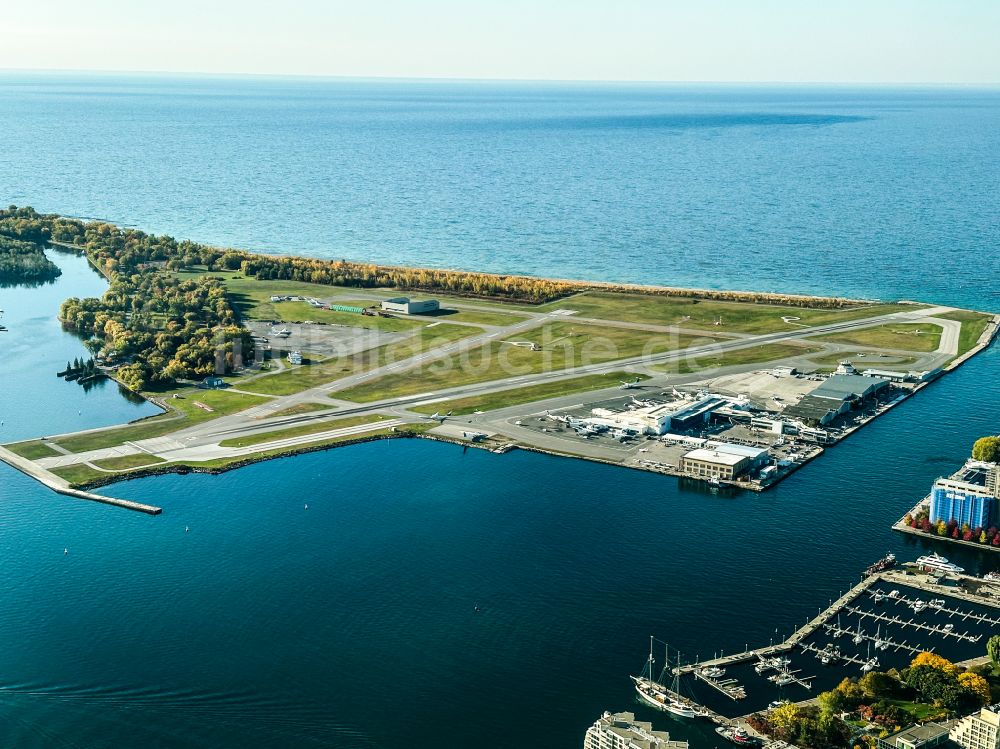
(882, 622)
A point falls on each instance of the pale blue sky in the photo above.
(895, 41)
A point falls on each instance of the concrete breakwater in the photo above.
(61, 486)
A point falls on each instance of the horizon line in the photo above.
(460, 79)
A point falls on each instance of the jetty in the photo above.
(61, 486)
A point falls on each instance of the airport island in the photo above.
(256, 356)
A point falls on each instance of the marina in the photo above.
(881, 623)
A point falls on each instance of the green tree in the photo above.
(832, 702)
(987, 448)
(993, 650)
(878, 684)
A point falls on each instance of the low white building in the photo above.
(658, 419)
(623, 731)
(406, 306)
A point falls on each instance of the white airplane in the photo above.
(629, 385)
(676, 393)
(438, 416)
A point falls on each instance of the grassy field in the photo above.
(581, 343)
(702, 314)
(871, 359)
(479, 316)
(78, 474)
(32, 449)
(973, 325)
(301, 408)
(252, 298)
(920, 337)
(563, 345)
(303, 311)
(221, 401)
(301, 378)
(517, 396)
(303, 429)
(127, 462)
(753, 355)
(920, 712)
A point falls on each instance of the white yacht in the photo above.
(938, 563)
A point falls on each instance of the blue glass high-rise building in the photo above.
(966, 504)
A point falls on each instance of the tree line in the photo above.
(25, 262)
(112, 247)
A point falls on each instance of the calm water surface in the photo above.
(873, 192)
(352, 623)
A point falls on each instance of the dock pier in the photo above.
(729, 687)
(916, 625)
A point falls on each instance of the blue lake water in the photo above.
(871, 192)
(352, 623)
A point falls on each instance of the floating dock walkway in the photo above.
(838, 631)
(61, 486)
(936, 629)
(729, 687)
(838, 657)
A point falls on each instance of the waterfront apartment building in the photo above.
(993, 481)
(623, 731)
(967, 504)
(978, 731)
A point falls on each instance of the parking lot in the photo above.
(318, 339)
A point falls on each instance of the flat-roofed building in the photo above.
(978, 731)
(663, 417)
(623, 731)
(923, 736)
(722, 461)
(993, 480)
(887, 374)
(406, 306)
(836, 395)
